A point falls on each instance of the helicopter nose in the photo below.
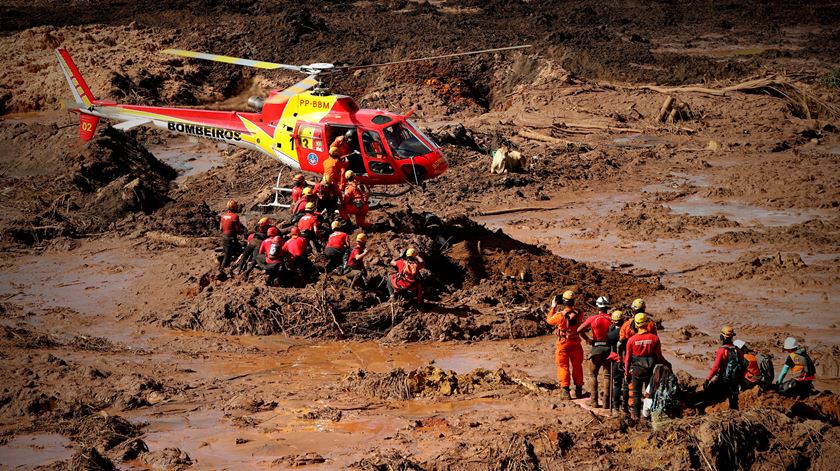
(425, 166)
(437, 163)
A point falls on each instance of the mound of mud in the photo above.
(810, 234)
(647, 222)
(83, 188)
(480, 285)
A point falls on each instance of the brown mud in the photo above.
(121, 348)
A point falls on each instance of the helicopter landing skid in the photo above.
(278, 190)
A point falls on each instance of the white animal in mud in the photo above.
(506, 160)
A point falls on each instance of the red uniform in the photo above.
(299, 206)
(309, 222)
(265, 248)
(600, 324)
(338, 240)
(297, 192)
(721, 357)
(643, 345)
(356, 203)
(229, 224)
(406, 277)
(354, 263)
(296, 247)
(568, 349)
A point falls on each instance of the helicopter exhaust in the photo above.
(256, 103)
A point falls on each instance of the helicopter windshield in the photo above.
(403, 140)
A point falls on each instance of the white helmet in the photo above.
(602, 302)
(791, 344)
(739, 344)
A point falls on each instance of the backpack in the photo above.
(734, 369)
(275, 250)
(765, 365)
(666, 395)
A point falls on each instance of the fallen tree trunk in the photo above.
(180, 241)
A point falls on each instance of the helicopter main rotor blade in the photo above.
(443, 56)
(231, 60)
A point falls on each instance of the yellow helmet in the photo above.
(335, 224)
(310, 206)
(617, 315)
(568, 295)
(410, 252)
(349, 174)
(264, 221)
(362, 237)
(727, 331)
(307, 191)
(640, 319)
(638, 304)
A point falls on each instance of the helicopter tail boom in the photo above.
(81, 92)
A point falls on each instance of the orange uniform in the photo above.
(568, 349)
(356, 203)
(628, 329)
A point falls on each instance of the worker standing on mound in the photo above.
(298, 184)
(628, 329)
(355, 200)
(405, 282)
(338, 244)
(231, 228)
(568, 350)
(354, 269)
(644, 352)
(310, 227)
(600, 325)
(724, 379)
(800, 364)
(249, 257)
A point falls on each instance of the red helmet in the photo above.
(232, 205)
(295, 231)
(273, 231)
(298, 177)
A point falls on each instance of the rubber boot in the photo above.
(579, 392)
(564, 393)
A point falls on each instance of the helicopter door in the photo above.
(377, 158)
(311, 149)
(355, 162)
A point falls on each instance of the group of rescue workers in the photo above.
(319, 228)
(628, 350)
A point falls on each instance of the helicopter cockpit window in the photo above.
(403, 142)
(373, 145)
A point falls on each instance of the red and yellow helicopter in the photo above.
(294, 126)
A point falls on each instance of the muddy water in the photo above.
(188, 156)
(29, 451)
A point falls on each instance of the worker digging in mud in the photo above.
(231, 228)
(310, 227)
(600, 325)
(355, 200)
(724, 379)
(336, 165)
(354, 268)
(799, 363)
(249, 258)
(298, 184)
(337, 247)
(296, 250)
(644, 352)
(405, 283)
(271, 256)
(299, 208)
(616, 364)
(568, 349)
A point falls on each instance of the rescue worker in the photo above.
(644, 352)
(800, 364)
(355, 269)
(600, 325)
(405, 281)
(338, 245)
(249, 258)
(336, 165)
(231, 228)
(271, 256)
(723, 380)
(327, 197)
(568, 348)
(310, 227)
(299, 208)
(298, 184)
(752, 370)
(616, 364)
(628, 329)
(355, 200)
(296, 251)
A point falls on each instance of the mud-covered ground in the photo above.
(121, 347)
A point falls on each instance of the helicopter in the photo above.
(295, 126)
